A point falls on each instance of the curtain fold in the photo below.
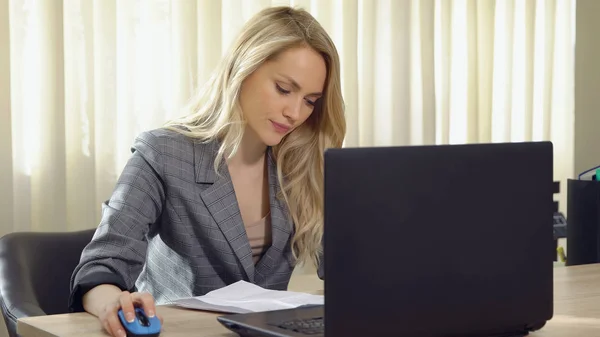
(366, 53)
(85, 77)
(426, 98)
(103, 106)
(349, 57)
(79, 127)
(484, 65)
(6, 141)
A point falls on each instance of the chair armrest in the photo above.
(35, 269)
(16, 302)
(16, 290)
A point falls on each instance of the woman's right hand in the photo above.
(127, 301)
(105, 300)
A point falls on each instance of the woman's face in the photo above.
(280, 95)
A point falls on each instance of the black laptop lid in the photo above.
(438, 240)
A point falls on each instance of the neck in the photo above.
(251, 151)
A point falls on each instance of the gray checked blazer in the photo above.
(172, 227)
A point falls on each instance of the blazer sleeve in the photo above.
(117, 251)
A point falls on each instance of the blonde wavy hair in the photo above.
(215, 114)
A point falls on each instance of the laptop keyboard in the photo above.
(310, 326)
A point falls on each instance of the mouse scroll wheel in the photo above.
(142, 319)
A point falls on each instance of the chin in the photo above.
(272, 140)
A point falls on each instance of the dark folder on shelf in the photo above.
(583, 231)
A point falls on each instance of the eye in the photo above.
(281, 90)
(310, 103)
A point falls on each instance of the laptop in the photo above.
(429, 241)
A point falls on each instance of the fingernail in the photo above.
(129, 317)
(150, 313)
(121, 333)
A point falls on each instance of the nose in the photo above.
(292, 110)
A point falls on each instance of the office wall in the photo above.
(587, 86)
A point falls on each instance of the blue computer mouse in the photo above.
(142, 325)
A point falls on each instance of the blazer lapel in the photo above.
(281, 223)
(220, 200)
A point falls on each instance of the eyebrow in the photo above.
(297, 86)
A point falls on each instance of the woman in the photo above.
(233, 191)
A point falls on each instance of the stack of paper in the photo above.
(243, 297)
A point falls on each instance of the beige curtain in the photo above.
(81, 78)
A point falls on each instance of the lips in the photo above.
(281, 128)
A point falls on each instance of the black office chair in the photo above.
(35, 270)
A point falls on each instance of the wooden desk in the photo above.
(178, 322)
(576, 303)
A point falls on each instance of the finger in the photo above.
(106, 327)
(147, 302)
(127, 306)
(107, 312)
(116, 328)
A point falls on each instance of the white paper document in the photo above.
(243, 297)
